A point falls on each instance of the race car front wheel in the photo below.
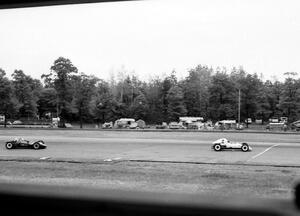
(245, 147)
(36, 146)
(9, 145)
(217, 147)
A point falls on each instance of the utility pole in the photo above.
(239, 117)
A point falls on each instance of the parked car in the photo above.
(22, 143)
(17, 122)
(124, 122)
(133, 125)
(107, 125)
(7, 123)
(296, 125)
(193, 127)
(196, 126)
(175, 125)
(223, 143)
(239, 126)
(164, 125)
(276, 126)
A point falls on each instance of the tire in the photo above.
(36, 145)
(245, 147)
(217, 147)
(9, 145)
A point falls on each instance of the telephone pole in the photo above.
(239, 115)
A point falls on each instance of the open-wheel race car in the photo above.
(21, 143)
(223, 143)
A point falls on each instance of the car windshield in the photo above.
(133, 95)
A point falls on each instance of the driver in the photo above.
(18, 140)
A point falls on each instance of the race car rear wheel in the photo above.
(245, 147)
(217, 147)
(9, 145)
(36, 145)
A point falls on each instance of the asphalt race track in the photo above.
(191, 147)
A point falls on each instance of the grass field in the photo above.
(220, 180)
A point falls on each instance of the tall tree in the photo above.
(139, 108)
(9, 105)
(196, 91)
(60, 78)
(155, 102)
(47, 102)
(176, 106)
(84, 90)
(167, 84)
(263, 101)
(26, 91)
(103, 105)
(290, 97)
(222, 100)
(249, 86)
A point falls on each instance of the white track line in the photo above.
(257, 155)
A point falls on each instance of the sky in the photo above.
(152, 38)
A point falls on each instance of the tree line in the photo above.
(206, 92)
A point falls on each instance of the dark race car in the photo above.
(21, 143)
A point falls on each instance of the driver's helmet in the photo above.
(16, 139)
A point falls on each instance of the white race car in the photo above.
(223, 143)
